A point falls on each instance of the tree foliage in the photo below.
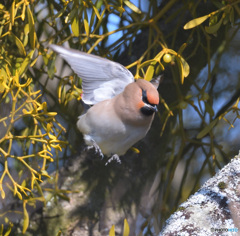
(177, 38)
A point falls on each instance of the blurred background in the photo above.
(50, 184)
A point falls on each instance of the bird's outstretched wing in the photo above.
(101, 78)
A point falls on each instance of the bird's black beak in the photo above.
(155, 109)
(149, 109)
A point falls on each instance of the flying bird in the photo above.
(122, 109)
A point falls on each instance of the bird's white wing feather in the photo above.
(101, 78)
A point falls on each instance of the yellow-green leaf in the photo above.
(213, 28)
(19, 195)
(25, 218)
(96, 12)
(181, 49)
(186, 67)
(86, 26)
(59, 14)
(112, 231)
(59, 233)
(9, 229)
(180, 68)
(150, 71)
(231, 17)
(62, 196)
(12, 13)
(209, 109)
(75, 26)
(19, 44)
(126, 229)
(195, 22)
(135, 150)
(132, 7)
(32, 34)
(26, 63)
(207, 129)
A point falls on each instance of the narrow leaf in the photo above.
(195, 22)
(207, 129)
(19, 44)
(86, 26)
(150, 71)
(180, 68)
(112, 231)
(26, 63)
(12, 13)
(181, 49)
(75, 26)
(213, 28)
(32, 33)
(126, 229)
(135, 150)
(96, 12)
(132, 7)
(9, 229)
(25, 218)
(186, 67)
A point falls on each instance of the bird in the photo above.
(121, 108)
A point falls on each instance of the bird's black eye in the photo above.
(149, 108)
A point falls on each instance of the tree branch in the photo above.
(213, 209)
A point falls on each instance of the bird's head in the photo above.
(148, 97)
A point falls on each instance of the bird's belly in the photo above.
(119, 141)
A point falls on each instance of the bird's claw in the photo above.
(97, 149)
(114, 157)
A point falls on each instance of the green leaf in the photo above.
(132, 7)
(112, 231)
(209, 109)
(26, 63)
(186, 67)
(75, 25)
(59, 233)
(214, 28)
(96, 12)
(60, 12)
(12, 13)
(32, 33)
(19, 44)
(207, 129)
(150, 71)
(9, 229)
(231, 17)
(86, 26)
(180, 68)
(195, 22)
(181, 49)
(25, 218)
(51, 68)
(126, 229)
(64, 197)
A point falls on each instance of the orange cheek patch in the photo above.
(140, 105)
(152, 99)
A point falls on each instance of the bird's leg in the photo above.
(113, 157)
(96, 147)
